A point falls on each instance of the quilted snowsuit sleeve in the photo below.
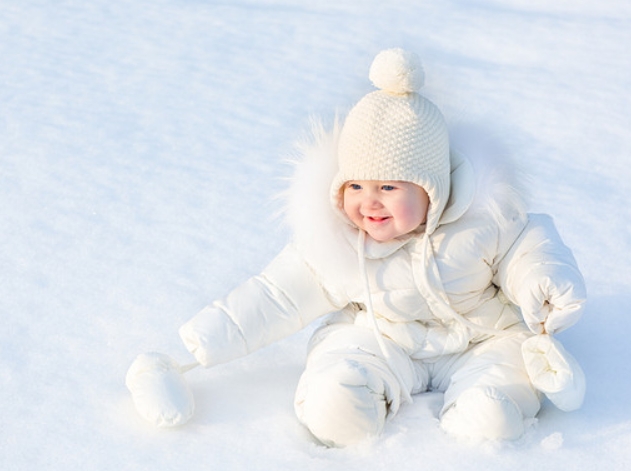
(540, 275)
(281, 300)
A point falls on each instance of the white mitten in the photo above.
(159, 391)
(554, 372)
(549, 303)
(540, 275)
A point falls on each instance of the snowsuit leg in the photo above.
(348, 388)
(487, 390)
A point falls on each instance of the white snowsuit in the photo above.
(444, 306)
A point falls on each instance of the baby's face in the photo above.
(385, 209)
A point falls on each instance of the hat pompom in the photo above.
(397, 72)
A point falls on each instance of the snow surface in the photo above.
(141, 145)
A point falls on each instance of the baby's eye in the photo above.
(387, 187)
(354, 186)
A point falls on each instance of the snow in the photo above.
(142, 144)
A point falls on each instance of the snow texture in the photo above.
(142, 143)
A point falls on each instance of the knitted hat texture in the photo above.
(396, 134)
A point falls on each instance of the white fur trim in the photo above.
(318, 228)
(499, 181)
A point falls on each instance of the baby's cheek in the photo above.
(415, 217)
(351, 214)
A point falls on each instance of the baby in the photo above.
(427, 273)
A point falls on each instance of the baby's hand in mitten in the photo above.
(554, 372)
(159, 391)
(550, 305)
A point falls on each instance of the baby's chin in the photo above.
(383, 237)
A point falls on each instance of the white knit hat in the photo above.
(396, 134)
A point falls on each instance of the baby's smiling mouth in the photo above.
(377, 218)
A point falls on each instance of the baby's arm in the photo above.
(284, 298)
(540, 275)
(280, 301)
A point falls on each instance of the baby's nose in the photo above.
(372, 201)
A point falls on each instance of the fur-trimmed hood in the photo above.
(481, 182)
